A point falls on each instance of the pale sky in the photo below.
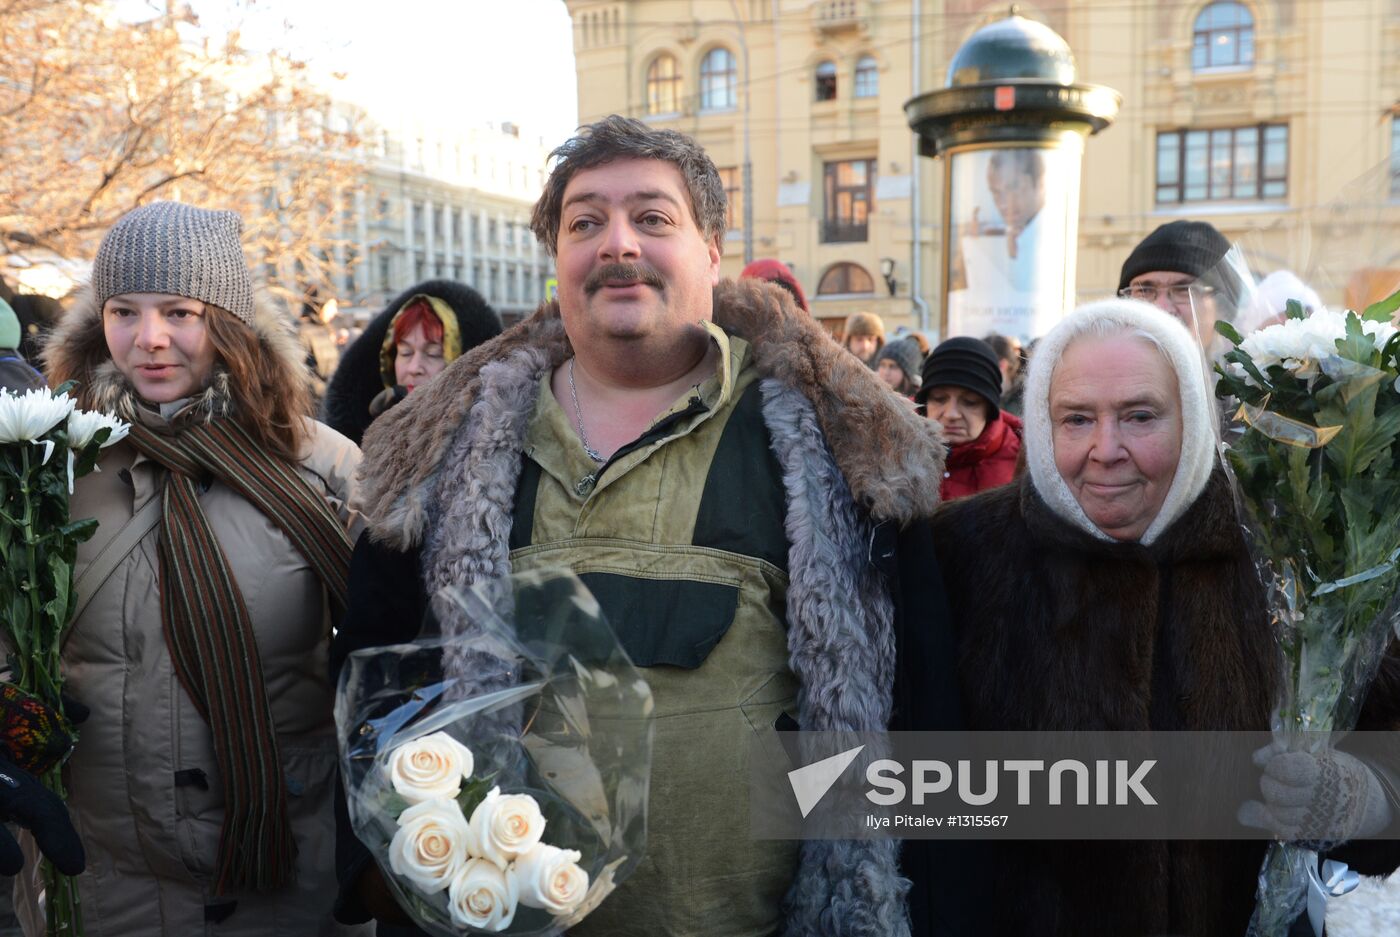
(470, 61)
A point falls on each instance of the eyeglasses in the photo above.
(1178, 294)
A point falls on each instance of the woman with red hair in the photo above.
(410, 342)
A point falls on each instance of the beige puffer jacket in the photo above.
(144, 785)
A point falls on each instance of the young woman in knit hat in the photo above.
(418, 334)
(899, 365)
(204, 782)
(961, 389)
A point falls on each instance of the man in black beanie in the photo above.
(1167, 267)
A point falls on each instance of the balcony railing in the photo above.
(836, 15)
(837, 232)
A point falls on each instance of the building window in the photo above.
(843, 278)
(826, 81)
(717, 78)
(1224, 37)
(663, 86)
(385, 272)
(1223, 165)
(867, 78)
(733, 179)
(850, 192)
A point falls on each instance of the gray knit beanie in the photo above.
(180, 250)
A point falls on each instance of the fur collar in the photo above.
(78, 346)
(888, 455)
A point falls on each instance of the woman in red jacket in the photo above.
(961, 389)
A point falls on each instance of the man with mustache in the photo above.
(729, 484)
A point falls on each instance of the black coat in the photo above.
(1058, 630)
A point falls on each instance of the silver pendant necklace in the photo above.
(592, 453)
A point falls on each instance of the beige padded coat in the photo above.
(144, 785)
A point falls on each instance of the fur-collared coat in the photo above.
(1101, 635)
(439, 479)
(144, 785)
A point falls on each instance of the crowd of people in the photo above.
(782, 529)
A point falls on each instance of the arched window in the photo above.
(663, 85)
(844, 278)
(717, 77)
(1223, 37)
(867, 77)
(826, 81)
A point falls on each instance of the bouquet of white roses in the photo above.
(45, 442)
(1316, 455)
(494, 769)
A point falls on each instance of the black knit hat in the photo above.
(905, 354)
(964, 362)
(1190, 247)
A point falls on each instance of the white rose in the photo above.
(430, 846)
(551, 879)
(503, 827)
(483, 895)
(429, 768)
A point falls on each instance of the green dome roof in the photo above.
(1010, 49)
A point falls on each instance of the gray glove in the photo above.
(1318, 800)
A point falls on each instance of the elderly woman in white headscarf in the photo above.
(1110, 589)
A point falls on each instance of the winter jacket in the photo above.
(144, 787)
(1103, 635)
(853, 461)
(985, 462)
(16, 375)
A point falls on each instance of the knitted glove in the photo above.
(27, 802)
(1317, 800)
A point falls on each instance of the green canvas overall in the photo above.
(680, 537)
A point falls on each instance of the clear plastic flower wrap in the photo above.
(497, 768)
(1314, 449)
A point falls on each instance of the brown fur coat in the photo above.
(1059, 631)
(886, 454)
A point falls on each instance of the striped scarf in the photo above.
(210, 635)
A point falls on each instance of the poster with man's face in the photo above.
(1013, 220)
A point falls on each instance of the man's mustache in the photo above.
(639, 273)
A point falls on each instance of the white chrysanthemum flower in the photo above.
(1298, 345)
(84, 424)
(27, 417)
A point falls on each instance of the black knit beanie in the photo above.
(905, 354)
(1190, 247)
(964, 362)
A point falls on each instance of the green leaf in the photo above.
(79, 531)
(1382, 311)
(1357, 346)
(474, 792)
(1294, 310)
(1229, 331)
